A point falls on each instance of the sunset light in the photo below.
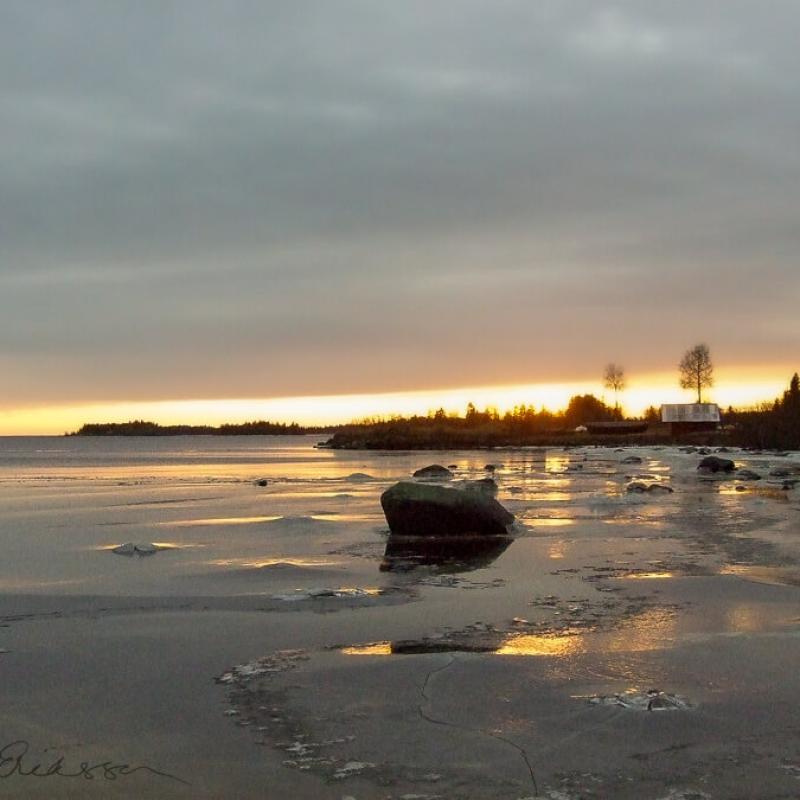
(653, 390)
(399, 399)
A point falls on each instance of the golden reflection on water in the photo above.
(653, 629)
(556, 462)
(648, 576)
(731, 489)
(190, 523)
(343, 493)
(774, 576)
(650, 630)
(543, 645)
(272, 562)
(550, 522)
(743, 492)
(546, 496)
(557, 549)
(374, 649)
(323, 517)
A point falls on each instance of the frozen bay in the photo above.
(262, 651)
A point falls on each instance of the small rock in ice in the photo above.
(360, 476)
(131, 549)
(351, 768)
(653, 700)
(747, 475)
(433, 471)
(640, 487)
(419, 796)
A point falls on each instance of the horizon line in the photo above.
(342, 409)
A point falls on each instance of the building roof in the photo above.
(690, 412)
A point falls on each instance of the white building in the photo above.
(689, 417)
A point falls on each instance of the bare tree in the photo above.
(614, 379)
(696, 370)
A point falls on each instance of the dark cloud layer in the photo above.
(244, 199)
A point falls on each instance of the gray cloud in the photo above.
(203, 199)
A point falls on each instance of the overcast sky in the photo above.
(207, 199)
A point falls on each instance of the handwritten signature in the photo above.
(15, 760)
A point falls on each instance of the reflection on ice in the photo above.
(548, 522)
(455, 553)
(557, 549)
(556, 463)
(373, 649)
(190, 523)
(647, 631)
(648, 576)
(775, 576)
(273, 562)
(563, 644)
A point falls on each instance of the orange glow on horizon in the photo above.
(739, 388)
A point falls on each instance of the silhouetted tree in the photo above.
(791, 397)
(614, 379)
(652, 414)
(585, 408)
(696, 370)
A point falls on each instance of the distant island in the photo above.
(144, 428)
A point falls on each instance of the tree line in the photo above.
(774, 425)
(144, 428)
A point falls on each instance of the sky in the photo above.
(251, 207)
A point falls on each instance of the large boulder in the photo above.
(715, 464)
(414, 509)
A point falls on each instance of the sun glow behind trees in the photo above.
(731, 388)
